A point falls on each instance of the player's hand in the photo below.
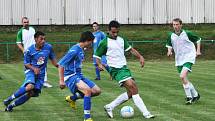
(62, 85)
(169, 53)
(36, 70)
(142, 61)
(198, 54)
(101, 67)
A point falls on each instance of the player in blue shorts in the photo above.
(70, 75)
(35, 61)
(99, 36)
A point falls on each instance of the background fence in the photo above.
(155, 50)
(64, 12)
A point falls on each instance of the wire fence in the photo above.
(151, 49)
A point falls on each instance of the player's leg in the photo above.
(191, 93)
(95, 90)
(46, 84)
(22, 99)
(30, 78)
(132, 90)
(119, 75)
(86, 90)
(97, 71)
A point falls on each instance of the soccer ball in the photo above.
(127, 112)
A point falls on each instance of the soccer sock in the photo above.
(187, 90)
(17, 94)
(119, 100)
(140, 104)
(107, 68)
(76, 96)
(45, 78)
(97, 72)
(20, 100)
(193, 90)
(87, 107)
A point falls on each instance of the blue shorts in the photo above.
(103, 60)
(71, 83)
(31, 78)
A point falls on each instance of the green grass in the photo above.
(132, 32)
(158, 83)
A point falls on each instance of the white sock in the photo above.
(119, 100)
(187, 90)
(193, 90)
(140, 104)
(45, 78)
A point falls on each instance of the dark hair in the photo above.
(38, 33)
(113, 23)
(24, 18)
(177, 20)
(95, 23)
(86, 36)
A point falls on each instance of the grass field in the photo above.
(158, 83)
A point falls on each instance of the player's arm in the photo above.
(100, 51)
(198, 48)
(19, 41)
(61, 77)
(138, 55)
(27, 62)
(52, 57)
(196, 40)
(35, 69)
(169, 45)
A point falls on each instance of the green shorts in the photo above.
(120, 74)
(186, 65)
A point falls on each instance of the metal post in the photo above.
(7, 53)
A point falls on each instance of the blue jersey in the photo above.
(38, 58)
(99, 35)
(72, 61)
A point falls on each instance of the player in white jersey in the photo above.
(25, 38)
(114, 47)
(182, 42)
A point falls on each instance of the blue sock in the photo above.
(87, 107)
(107, 68)
(17, 94)
(20, 100)
(97, 72)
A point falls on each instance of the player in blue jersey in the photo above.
(70, 75)
(35, 61)
(99, 36)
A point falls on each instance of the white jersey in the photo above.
(183, 46)
(26, 37)
(114, 51)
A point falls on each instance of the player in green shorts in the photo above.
(114, 47)
(182, 42)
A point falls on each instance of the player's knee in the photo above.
(87, 92)
(29, 87)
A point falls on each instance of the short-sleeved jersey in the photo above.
(72, 61)
(99, 35)
(38, 58)
(114, 51)
(183, 46)
(26, 37)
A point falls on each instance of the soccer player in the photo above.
(25, 38)
(114, 47)
(182, 42)
(35, 61)
(70, 75)
(99, 36)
